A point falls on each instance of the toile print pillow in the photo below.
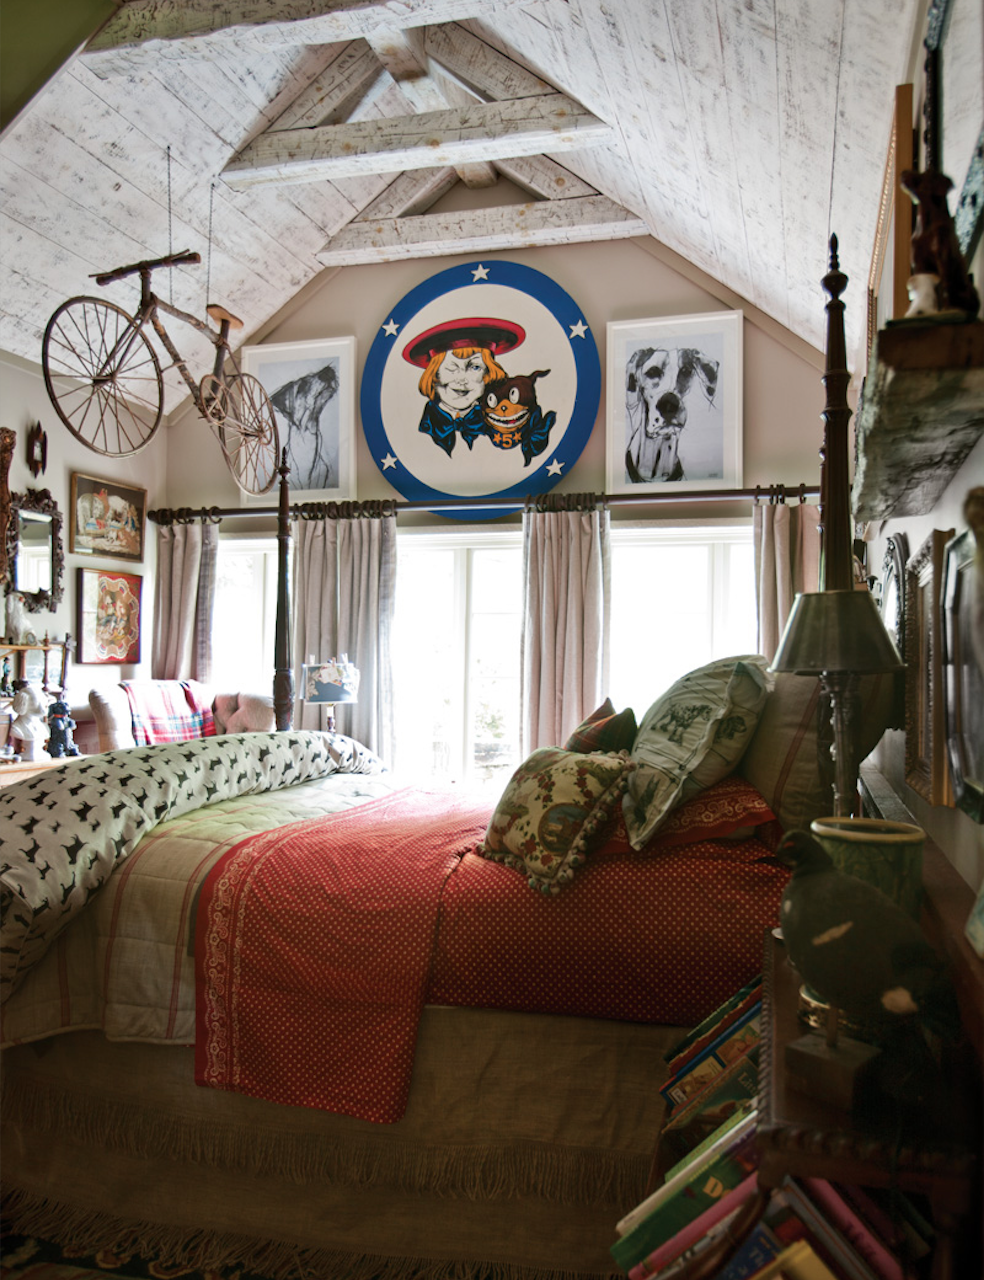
(692, 736)
(553, 812)
(64, 831)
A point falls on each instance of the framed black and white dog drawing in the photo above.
(674, 403)
(311, 386)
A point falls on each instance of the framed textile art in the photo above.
(482, 382)
(109, 616)
(675, 403)
(106, 518)
(963, 673)
(925, 724)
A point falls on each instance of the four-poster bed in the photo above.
(463, 1072)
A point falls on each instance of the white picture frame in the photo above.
(660, 371)
(312, 388)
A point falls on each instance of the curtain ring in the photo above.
(758, 495)
(802, 492)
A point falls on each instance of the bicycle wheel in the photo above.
(103, 376)
(248, 434)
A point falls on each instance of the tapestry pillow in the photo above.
(692, 736)
(783, 761)
(65, 830)
(604, 730)
(553, 812)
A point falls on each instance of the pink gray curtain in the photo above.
(787, 560)
(567, 603)
(344, 593)
(184, 600)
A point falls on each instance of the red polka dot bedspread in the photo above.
(318, 944)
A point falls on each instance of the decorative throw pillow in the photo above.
(783, 761)
(731, 809)
(692, 736)
(604, 730)
(553, 812)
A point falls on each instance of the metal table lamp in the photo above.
(330, 683)
(838, 635)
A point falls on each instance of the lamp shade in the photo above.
(835, 631)
(334, 681)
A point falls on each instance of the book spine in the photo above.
(851, 1227)
(693, 1231)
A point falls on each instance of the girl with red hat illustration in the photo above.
(458, 359)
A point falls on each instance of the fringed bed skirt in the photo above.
(527, 1137)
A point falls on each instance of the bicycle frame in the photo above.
(150, 307)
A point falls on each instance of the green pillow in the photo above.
(691, 737)
(554, 810)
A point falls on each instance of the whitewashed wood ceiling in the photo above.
(306, 134)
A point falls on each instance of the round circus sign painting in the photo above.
(483, 382)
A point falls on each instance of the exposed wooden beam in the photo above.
(480, 67)
(402, 54)
(461, 135)
(343, 81)
(518, 226)
(410, 193)
(544, 178)
(166, 27)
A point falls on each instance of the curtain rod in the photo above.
(771, 493)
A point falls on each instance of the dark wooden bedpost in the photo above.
(836, 536)
(283, 678)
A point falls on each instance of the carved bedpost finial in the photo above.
(836, 549)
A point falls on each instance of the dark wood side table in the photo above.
(939, 1152)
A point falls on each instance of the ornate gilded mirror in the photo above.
(35, 554)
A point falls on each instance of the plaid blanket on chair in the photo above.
(169, 710)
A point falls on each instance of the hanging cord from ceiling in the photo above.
(208, 251)
(170, 238)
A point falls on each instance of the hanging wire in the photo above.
(208, 252)
(170, 239)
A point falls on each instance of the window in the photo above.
(456, 655)
(245, 614)
(681, 597)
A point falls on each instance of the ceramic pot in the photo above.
(883, 853)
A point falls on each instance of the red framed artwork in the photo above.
(109, 616)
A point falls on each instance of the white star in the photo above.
(391, 328)
(555, 468)
(480, 273)
(388, 462)
(578, 330)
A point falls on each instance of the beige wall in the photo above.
(25, 401)
(783, 396)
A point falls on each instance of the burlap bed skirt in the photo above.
(526, 1138)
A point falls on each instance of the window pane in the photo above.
(494, 654)
(245, 616)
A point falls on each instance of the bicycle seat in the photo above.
(219, 314)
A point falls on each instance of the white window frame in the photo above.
(268, 545)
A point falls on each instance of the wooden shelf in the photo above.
(922, 412)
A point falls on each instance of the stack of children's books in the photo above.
(705, 1173)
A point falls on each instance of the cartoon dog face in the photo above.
(659, 381)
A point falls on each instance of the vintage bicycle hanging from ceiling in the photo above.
(104, 377)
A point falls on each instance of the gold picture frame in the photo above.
(888, 297)
(926, 768)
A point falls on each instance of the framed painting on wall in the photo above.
(109, 616)
(675, 403)
(889, 271)
(483, 382)
(311, 386)
(926, 768)
(106, 518)
(963, 673)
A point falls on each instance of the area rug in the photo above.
(27, 1258)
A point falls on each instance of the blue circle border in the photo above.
(586, 362)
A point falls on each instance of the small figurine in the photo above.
(60, 725)
(29, 724)
(936, 251)
(6, 688)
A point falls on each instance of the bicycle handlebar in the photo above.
(172, 260)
